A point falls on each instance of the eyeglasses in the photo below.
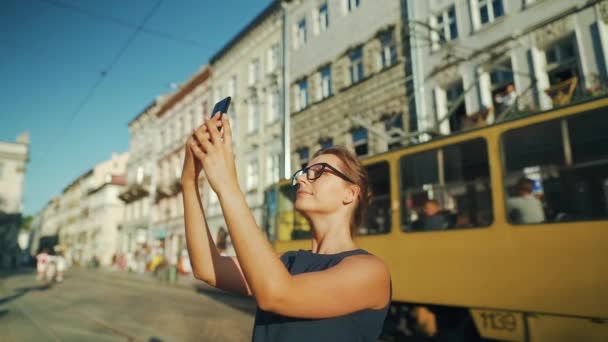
(315, 171)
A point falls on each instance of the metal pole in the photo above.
(285, 105)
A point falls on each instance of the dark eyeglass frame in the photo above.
(324, 168)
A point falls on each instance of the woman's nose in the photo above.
(301, 178)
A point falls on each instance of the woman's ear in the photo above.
(351, 194)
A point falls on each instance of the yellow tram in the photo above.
(488, 272)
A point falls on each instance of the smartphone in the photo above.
(221, 106)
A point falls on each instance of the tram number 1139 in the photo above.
(499, 324)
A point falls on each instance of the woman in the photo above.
(335, 292)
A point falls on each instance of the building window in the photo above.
(272, 168)
(490, 10)
(324, 88)
(445, 27)
(273, 57)
(351, 5)
(360, 141)
(180, 127)
(301, 33)
(304, 154)
(356, 65)
(252, 174)
(254, 71)
(219, 92)
(502, 87)
(393, 125)
(322, 18)
(204, 110)
(254, 115)
(232, 86)
(388, 52)
(213, 199)
(326, 142)
(273, 106)
(162, 138)
(193, 120)
(302, 98)
(139, 178)
(562, 61)
(456, 105)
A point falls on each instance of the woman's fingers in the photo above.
(206, 145)
(196, 150)
(227, 130)
(201, 134)
(213, 130)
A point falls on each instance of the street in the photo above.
(99, 305)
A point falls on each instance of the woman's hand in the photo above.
(214, 151)
(192, 166)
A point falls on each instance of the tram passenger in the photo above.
(525, 207)
(433, 217)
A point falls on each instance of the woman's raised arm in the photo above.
(208, 265)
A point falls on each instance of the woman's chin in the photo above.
(301, 206)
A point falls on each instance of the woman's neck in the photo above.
(331, 237)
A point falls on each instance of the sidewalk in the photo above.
(182, 281)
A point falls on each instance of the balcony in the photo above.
(167, 190)
(133, 193)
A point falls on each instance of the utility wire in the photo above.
(120, 22)
(102, 76)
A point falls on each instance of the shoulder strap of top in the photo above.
(353, 252)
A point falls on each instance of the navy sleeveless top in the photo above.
(364, 325)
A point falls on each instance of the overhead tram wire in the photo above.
(102, 76)
(120, 22)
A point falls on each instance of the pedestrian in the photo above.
(61, 266)
(184, 263)
(333, 292)
(221, 240)
(42, 260)
(51, 269)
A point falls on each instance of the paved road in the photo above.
(110, 306)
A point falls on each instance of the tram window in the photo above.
(534, 145)
(446, 188)
(568, 181)
(378, 215)
(589, 137)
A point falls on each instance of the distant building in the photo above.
(249, 68)
(13, 161)
(85, 218)
(139, 195)
(179, 114)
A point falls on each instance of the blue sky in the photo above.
(52, 53)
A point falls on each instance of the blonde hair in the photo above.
(354, 169)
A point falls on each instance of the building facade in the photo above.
(101, 220)
(179, 115)
(250, 70)
(347, 77)
(13, 161)
(84, 219)
(139, 193)
(476, 61)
